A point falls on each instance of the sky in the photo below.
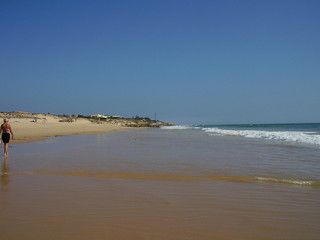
(196, 61)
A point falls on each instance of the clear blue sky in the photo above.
(189, 61)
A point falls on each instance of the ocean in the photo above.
(293, 133)
(182, 182)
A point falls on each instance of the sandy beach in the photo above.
(34, 127)
(26, 129)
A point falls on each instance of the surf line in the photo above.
(152, 176)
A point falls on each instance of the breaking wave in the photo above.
(179, 127)
(287, 136)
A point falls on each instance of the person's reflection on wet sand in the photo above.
(5, 175)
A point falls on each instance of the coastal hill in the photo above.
(37, 126)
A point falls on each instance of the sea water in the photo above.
(303, 133)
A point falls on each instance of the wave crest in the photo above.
(287, 136)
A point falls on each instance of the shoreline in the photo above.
(138, 184)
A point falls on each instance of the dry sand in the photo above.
(27, 129)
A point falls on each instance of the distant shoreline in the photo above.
(29, 127)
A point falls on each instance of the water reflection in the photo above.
(5, 175)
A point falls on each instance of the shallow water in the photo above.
(156, 184)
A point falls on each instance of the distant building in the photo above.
(101, 116)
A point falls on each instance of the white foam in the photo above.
(178, 127)
(288, 181)
(287, 136)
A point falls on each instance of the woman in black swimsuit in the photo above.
(6, 135)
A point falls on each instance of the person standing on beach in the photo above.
(6, 131)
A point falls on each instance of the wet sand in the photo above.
(149, 185)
